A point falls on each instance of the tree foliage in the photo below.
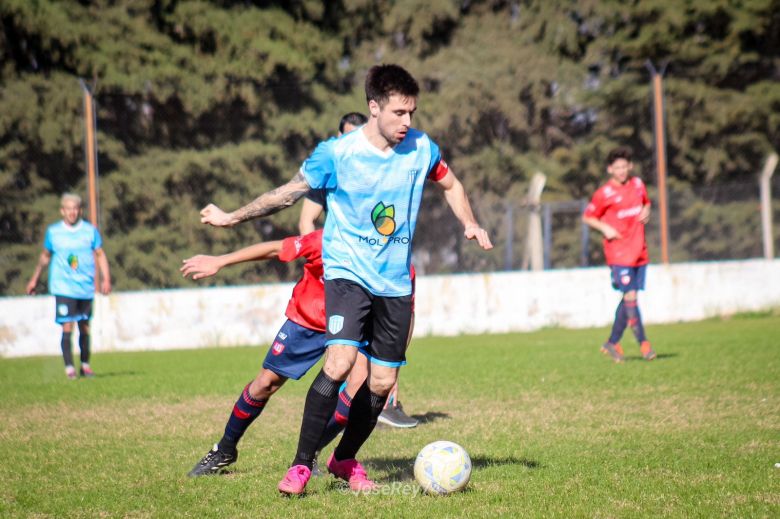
(203, 101)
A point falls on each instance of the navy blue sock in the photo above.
(65, 345)
(366, 407)
(619, 325)
(635, 321)
(320, 404)
(338, 421)
(244, 413)
(84, 347)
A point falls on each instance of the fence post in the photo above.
(533, 255)
(766, 205)
(510, 235)
(660, 153)
(584, 236)
(547, 235)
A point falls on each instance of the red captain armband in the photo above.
(439, 171)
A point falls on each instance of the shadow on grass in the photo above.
(660, 356)
(430, 416)
(108, 374)
(400, 469)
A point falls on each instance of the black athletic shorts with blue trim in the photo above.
(294, 351)
(377, 325)
(70, 309)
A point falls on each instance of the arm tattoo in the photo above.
(274, 200)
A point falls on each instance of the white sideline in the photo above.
(446, 305)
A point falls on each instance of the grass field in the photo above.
(554, 429)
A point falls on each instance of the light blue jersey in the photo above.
(373, 198)
(72, 266)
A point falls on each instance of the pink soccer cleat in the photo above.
(294, 482)
(352, 471)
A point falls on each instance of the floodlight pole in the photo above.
(766, 205)
(660, 153)
(90, 151)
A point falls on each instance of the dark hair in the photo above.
(384, 80)
(353, 118)
(621, 152)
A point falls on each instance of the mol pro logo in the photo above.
(383, 218)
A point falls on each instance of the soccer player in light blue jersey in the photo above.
(314, 205)
(374, 179)
(71, 248)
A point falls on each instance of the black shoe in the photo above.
(394, 416)
(214, 461)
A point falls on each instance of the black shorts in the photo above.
(378, 325)
(68, 309)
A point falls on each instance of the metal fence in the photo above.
(706, 223)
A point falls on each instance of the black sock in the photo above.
(244, 413)
(84, 347)
(635, 321)
(363, 414)
(65, 345)
(338, 421)
(320, 404)
(619, 325)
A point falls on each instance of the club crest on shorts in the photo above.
(335, 323)
(62, 309)
(277, 348)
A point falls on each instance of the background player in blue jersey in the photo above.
(71, 248)
(374, 179)
(313, 207)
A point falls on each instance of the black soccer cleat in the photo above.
(214, 461)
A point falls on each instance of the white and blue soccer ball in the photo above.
(442, 467)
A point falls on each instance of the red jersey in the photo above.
(307, 304)
(619, 205)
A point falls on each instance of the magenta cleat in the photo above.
(352, 471)
(294, 482)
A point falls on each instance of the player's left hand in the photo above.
(644, 214)
(213, 215)
(475, 232)
(105, 286)
(200, 266)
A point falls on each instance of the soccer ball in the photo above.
(442, 467)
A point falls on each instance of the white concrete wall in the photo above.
(446, 305)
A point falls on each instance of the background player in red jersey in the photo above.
(297, 347)
(619, 210)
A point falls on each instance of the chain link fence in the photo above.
(706, 223)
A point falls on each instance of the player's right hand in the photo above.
(200, 266)
(30, 289)
(610, 233)
(213, 215)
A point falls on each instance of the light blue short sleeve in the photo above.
(320, 168)
(47, 241)
(435, 155)
(97, 241)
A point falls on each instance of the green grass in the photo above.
(554, 430)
